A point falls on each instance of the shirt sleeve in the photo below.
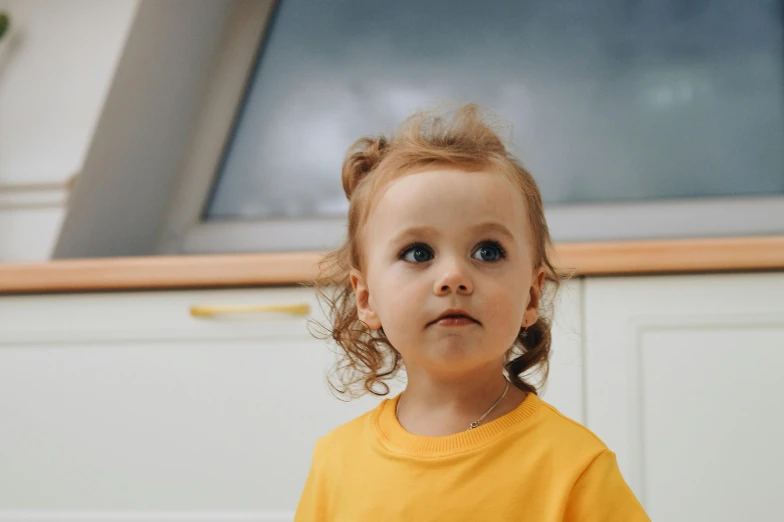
(306, 508)
(602, 495)
(309, 508)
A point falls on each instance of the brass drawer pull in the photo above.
(212, 311)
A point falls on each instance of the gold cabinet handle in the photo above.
(212, 311)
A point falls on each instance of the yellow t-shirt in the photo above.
(532, 464)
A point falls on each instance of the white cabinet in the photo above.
(119, 402)
(683, 379)
(118, 405)
(124, 406)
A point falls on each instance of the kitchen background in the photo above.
(134, 133)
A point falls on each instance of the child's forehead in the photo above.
(426, 190)
(449, 198)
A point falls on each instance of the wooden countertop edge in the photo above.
(168, 272)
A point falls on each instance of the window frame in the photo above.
(184, 232)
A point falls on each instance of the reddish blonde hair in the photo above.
(465, 140)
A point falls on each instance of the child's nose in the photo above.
(454, 278)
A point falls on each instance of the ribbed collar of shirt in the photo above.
(395, 438)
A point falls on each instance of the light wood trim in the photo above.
(159, 272)
(673, 256)
(641, 257)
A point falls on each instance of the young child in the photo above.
(443, 273)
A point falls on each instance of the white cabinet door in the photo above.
(121, 406)
(684, 381)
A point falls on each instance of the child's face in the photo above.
(432, 244)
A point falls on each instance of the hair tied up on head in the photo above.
(362, 157)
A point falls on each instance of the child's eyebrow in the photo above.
(415, 232)
(428, 231)
(492, 226)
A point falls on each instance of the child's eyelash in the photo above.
(494, 244)
(410, 247)
(484, 244)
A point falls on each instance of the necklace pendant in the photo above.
(473, 425)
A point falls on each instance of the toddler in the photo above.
(443, 273)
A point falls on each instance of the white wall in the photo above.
(56, 66)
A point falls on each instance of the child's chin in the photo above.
(454, 350)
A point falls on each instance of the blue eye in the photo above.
(490, 252)
(418, 253)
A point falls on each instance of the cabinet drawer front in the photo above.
(160, 314)
(124, 405)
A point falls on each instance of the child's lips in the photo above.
(454, 321)
(454, 317)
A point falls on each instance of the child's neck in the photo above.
(434, 407)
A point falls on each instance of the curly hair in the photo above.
(467, 139)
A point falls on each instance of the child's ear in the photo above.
(531, 314)
(365, 309)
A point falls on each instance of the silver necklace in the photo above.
(474, 424)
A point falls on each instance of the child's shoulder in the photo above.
(565, 432)
(347, 435)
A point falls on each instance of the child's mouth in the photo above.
(454, 320)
